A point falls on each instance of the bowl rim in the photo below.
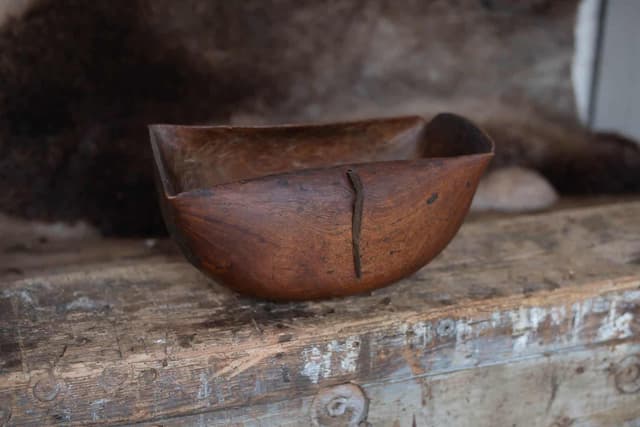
(310, 124)
(169, 193)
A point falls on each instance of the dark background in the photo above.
(80, 80)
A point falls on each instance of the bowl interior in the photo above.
(199, 157)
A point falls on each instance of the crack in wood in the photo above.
(555, 383)
(356, 222)
(112, 318)
(16, 312)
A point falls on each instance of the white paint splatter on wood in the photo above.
(205, 390)
(97, 406)
(318, 363)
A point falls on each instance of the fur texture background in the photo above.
(80, 80)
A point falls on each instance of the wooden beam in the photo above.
(530, 319)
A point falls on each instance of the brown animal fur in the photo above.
(80, 80)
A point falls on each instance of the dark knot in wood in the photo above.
(47, 388)
(344, 405)
(627, 375)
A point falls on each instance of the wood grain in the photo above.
(530, 319)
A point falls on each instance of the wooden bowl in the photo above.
(300, 212)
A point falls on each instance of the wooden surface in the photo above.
(533, 321)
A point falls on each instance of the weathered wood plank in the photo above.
(131, 339)
(579, 388)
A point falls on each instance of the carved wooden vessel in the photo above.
(313, 211)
